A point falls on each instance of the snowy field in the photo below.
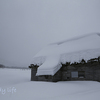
(15, 84)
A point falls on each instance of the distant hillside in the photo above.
(2, 66)
(12, 67)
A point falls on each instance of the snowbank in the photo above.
(19, 80)
(73, 50)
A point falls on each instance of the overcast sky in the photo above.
(26, 26)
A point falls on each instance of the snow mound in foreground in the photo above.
(32, 90)
(72, 50)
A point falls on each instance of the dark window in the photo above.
(68, 78)
(46, 76)
(81, 74)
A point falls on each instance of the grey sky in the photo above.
(26, 26)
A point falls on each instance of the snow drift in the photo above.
(33, 90)
(72, 50)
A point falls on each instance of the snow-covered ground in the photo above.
(15, 84)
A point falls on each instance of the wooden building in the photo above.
(89, 70)
(73, 59)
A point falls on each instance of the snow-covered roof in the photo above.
(50, 58)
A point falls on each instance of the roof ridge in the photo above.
(76, 38)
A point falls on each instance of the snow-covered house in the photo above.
(73, 59)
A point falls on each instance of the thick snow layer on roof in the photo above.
(73, 50)
(50, 66)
